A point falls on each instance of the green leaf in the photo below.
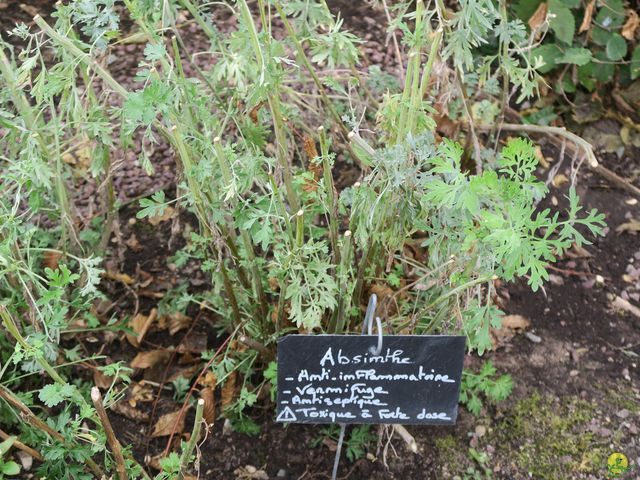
(585, 76)
(611, 15)
(603, 72)
(6, 445)
(152, 207)
(501, 388)
(616, 47)
(600, 36)
(10, 468)
(549, 54)
(575, 56)
(570, 3)
(474, 405)
(635, 63)
(154, 51)
(525, 8)
(562, 22)
(53, 394)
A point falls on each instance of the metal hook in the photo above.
(376, 350)
(371, 310)
(366, 326)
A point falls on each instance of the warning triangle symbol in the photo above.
(286, 415)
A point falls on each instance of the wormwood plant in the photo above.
(285, 251)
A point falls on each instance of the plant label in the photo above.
(339, 379)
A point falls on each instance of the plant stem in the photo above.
(225, 168)
(82, 56)
(116, 448)
(300, 228)
(185, 458)
(307, 64)
(343, 274)
(274, 106)
(21, 446)
(31, 418)
(331, 195)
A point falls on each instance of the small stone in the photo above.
(251, 469)
(556, 279)
(481, 431)
(573, 373)
(605, 432)
(25, 459)
(599, 280)
(227, 428)
(282, 473)
(631, 201)
(624, 413)
(533, 337)
(625, 374)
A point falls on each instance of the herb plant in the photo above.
(285, 249)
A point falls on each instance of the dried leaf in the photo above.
(578, 252)
(140, 392)
(186, 373)
(170, 423)
(50, 259)
(140, 324)
(559, 180)
(133, 243)
(309, 146)
(228, 390)
(119, 277)
(101, 380)
(539, 17)
(150, 358)
(631, 25)
(126, 410)
(209, 380)
(178, 321)
(515, 322)
(166, 215)
(253, 113)
(209, 411)
(588, 15)
(193, 342)
(631, 226)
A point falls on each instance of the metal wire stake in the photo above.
(367, 326)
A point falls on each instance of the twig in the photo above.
(396, 46)
(193, 387)
(32, 419)
(21, 446)
(195, 435)
(622, 304)
(567, 271)
(116, 448)
(251, 343)
(577, 141)
(407, 437)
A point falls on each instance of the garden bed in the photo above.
(573, 352)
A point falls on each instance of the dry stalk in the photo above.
(116, 448)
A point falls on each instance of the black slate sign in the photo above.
(337, 379)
